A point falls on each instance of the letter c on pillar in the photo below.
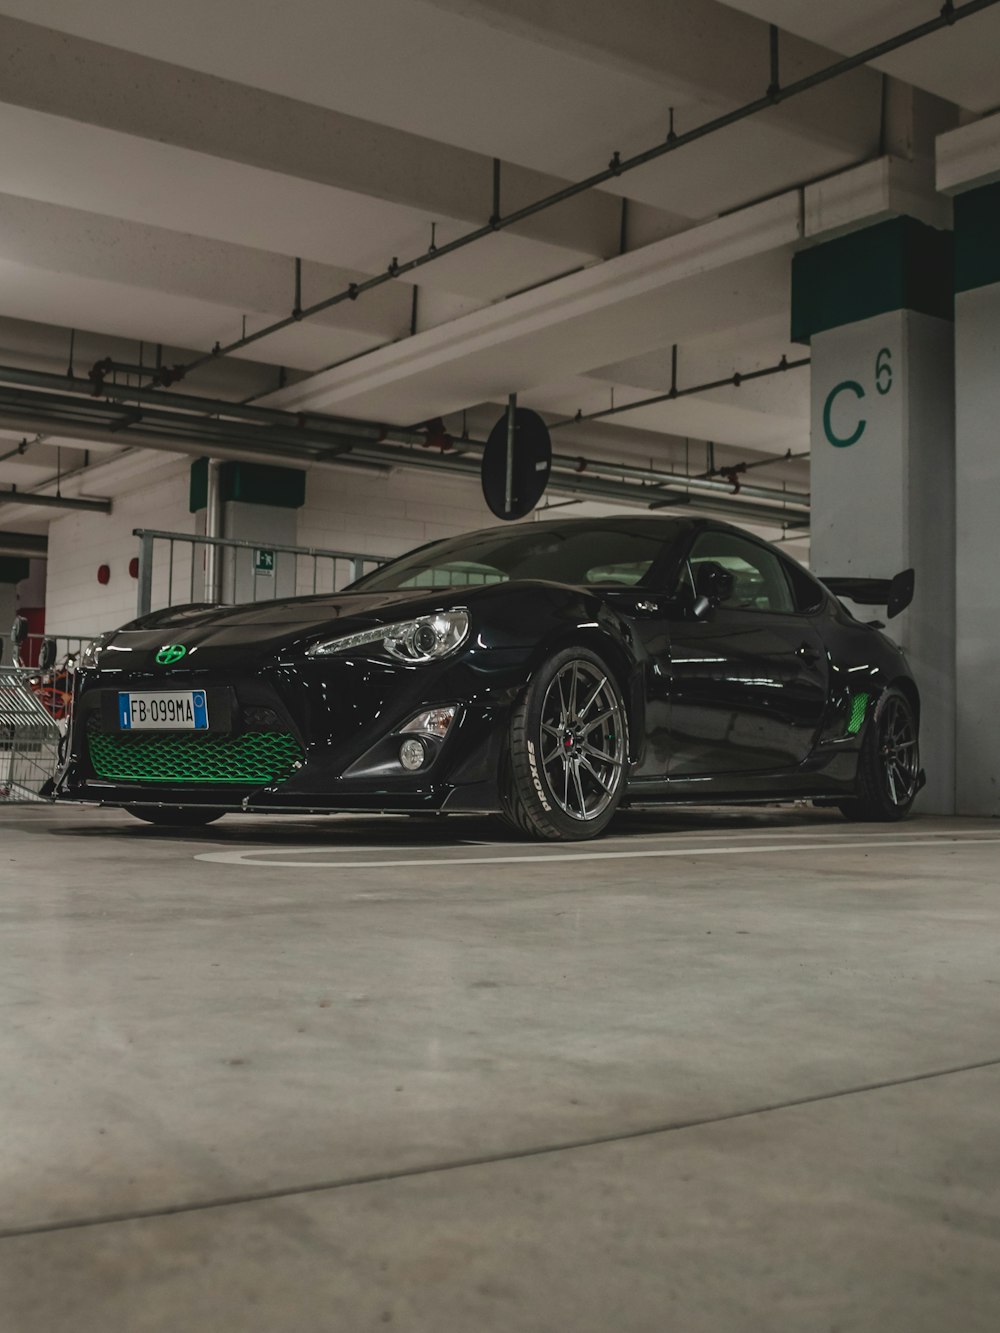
(842, 441)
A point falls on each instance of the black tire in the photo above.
(566, 761)
(889, 764)
(187, 816)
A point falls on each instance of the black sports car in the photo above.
(548, 672)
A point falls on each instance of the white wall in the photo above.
(387, 515)
(344, 510)
(75, 603)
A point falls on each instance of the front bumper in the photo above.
(309, 737)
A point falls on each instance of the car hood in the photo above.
(302, 614)
(258, 631)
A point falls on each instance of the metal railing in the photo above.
(67, 646)
(173, 570)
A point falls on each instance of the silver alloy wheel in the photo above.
(898, 751)
(583, 737)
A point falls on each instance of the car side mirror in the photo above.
(712, 583)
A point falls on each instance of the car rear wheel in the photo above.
(889, 764)
(187, 816)
(567, 757)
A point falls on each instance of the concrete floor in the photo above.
(722, 1071)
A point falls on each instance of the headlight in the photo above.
(90, 654)
(424, 639)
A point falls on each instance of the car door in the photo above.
(749, 678)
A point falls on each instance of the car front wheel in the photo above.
(567, 756)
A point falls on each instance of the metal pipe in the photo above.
(123, 419)
(160, 534)
(104, 434)
(197, 447)
(627, 493)
(786, 457)
(618, 166)
(368, 454)
(729, 381)
(609, 468)
(697, 485)
(573, 484)
(213, 528)
(24, 544)
(14, 496)
(188, 402)
(640, 493)
(311, 446)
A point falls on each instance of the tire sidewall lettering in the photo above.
(536, 780)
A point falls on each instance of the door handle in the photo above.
(808, 653)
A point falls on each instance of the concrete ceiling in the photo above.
(164, 166)
(959, 65)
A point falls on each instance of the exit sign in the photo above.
(263, 562)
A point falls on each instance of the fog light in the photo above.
(411, 753)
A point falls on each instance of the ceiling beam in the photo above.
(728, 271)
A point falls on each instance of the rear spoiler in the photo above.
(894, 594)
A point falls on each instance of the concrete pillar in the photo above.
(977, 380)
(259, 504)
(968, 168)
(250, 575)
(876, 307)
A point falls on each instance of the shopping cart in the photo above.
(29, 740)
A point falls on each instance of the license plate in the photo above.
(166, 710)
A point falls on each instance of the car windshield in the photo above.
(598, 554)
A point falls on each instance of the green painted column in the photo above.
(977, 501)
(876, 308)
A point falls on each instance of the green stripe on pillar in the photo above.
(977, 238)
(899, 264)
(13, 568)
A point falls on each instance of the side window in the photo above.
(759, 582)
(455, 574)
(807, 593)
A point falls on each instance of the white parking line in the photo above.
(255, 857)
(895, 834)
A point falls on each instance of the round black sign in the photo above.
(512, 487)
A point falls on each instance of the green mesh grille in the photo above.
(257, 758)
(859, 707)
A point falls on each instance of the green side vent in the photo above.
(255, 758)
(859, 707)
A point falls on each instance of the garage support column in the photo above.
(876, 307)
(977, 374)
(258, 503)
